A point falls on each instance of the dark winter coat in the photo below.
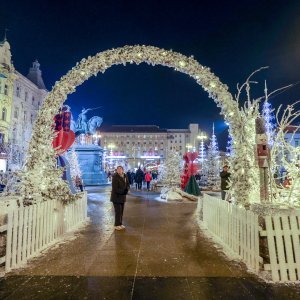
(139, 175)
(132, 175)
(120, 187)
(224, 180)
(129, 177)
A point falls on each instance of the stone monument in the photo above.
(89, 154)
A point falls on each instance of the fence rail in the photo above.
(32, 229)
(236, 227)
(283, 235)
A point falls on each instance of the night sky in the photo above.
(233, 38)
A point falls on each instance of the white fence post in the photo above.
(283, 236)
(34, 228)
(235, 227)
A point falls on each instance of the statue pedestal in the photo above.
(90, 161)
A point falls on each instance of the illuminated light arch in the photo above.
(40, 163)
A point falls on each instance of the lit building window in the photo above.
(4, 113)
(6, 89)
(1, 138)
(18, 91)
(16, 113)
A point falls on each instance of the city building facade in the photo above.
(143, 145)
(20, 99)
(7, 78)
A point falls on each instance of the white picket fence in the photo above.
(236, 227)
(283, 235)
(34, 228)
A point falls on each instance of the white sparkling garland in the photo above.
(41, 178)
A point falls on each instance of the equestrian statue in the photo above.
(85, 126)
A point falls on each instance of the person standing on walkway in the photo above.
(120, 188)
(224, 181)
(148, 179)
(139, 176)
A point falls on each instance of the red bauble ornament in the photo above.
(64, 140)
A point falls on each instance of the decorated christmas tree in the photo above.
(171, 169)
(213, 163)
(192, 187)
(74, 165)
(268, 115)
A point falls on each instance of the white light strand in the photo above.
(40, 165)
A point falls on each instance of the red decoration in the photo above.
(190, 168)
(62, 121)
(191, 156)
(65, 137)
(64, 140)
(58, 122)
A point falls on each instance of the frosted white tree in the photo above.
(285, 155)
(74, 165)
(170, 171)
(213, 163)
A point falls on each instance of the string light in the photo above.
(91, 66)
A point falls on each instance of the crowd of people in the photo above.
(139, 178)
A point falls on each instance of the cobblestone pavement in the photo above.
(162, 254)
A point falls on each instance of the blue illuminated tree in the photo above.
(269, 117)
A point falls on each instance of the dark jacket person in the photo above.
(120, 188)
(139, 176)
(224, 181)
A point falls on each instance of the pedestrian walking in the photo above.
(224, 181)
(120, 188)
(132, 176)
(139, 176)
(154, 175)
(148, 179)
(129, 177)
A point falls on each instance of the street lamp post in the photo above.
(134, 148)
(189, 147)
(97, 139)
(104, 159)
(111, 146)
